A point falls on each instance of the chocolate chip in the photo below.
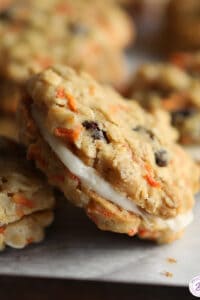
(142, 129)
(4, 15)
(161, 158)
(4, 180)
(78, 29)
(96, 132)
(179, 115)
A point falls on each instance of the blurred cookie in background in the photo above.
(174, 89)
(183, 24)
(88, 35)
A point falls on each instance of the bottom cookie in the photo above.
(28, 230)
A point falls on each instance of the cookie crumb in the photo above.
(171, 260)
(167, 274)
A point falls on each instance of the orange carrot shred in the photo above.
(29, 240)
(71, 102)
(60, 93)
(2, 229)
(71, 134)
(152, 181)
(149, 177)
(19, 198)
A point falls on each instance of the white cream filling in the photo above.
(194, 151)
(89, 177)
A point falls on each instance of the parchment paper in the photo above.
(76, 249)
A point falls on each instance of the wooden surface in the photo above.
(47, 289)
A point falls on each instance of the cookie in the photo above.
(23, 190)
(104, 17)
(183, 24)
(35, 35)
(108, 156)
(175, 89)
(26, 231)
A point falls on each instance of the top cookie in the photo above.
(23, 190)
(127, 147)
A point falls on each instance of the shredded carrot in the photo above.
(29, 240)
(94, 209)
(61, 93)
(71, 134)
(149, 178)
(19, 198)
(151, 181)
(144, 233)
(2, 229)
(71, 102)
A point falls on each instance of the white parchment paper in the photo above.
(75, 248)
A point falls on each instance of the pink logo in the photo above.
(194, 286)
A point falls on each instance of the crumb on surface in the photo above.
(167, 274)
(171, 260)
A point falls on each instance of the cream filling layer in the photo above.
(89, 177)
(194, 151)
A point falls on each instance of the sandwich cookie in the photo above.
(108, 156)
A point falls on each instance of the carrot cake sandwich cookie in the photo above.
(26, 200)
(108, 156)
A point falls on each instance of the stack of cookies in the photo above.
(116, 159)
(26, 200)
